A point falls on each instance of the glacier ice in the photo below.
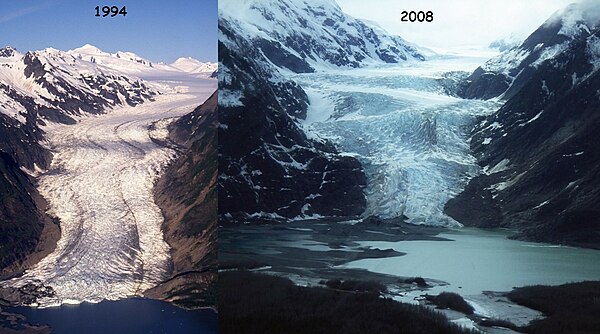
(100, 186)
(411, 137)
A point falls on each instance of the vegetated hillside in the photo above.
(187, 195)
(569, 308)
(253, 303)
(540, 152)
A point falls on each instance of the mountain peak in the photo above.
(575, 18)
(189, 64)
(183, 60)
(326, 36)
(88, 49)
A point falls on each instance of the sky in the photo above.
(458, 23)
(154, 29)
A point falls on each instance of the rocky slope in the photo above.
(268, 167)
(26, 233)
(539, 152)
(187, 195)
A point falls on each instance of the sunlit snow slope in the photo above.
(410, 136)
(100, 187)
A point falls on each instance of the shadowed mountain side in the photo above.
(26, 232)
(268, 168)
(540, 151)
(186, 193)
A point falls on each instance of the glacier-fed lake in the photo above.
(477, 260)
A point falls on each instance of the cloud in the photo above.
(458, 23)
(591, 10)
(23, 11)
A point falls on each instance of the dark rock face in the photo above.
(92, 94)
(21, 141)
(20, 226)
(268, 168)
(540, 150)
(24, 226)
(187, 195)
(26, 233)
(282, 58)
(7, 51)
(483, 85)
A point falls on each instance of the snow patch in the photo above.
(573, 154)
(532, 119)
(499, 167)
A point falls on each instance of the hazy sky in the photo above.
(154, 29)
(457, 23)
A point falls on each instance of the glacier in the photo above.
(410, 135)
(100, 186)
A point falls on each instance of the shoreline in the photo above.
(313, 254)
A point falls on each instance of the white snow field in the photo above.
(100, 187)
(410, 136)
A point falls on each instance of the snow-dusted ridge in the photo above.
(129, 62)
(82, 80)
(104, 165)
(309, 35)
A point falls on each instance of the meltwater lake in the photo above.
(477, 260)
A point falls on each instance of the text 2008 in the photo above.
(419, 16)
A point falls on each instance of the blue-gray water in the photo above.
(131, 316)
(477, 260)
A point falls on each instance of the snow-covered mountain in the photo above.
(540, 151)
(40, 87)
(192, 65)
(84, 80)
(505, 43)
(566, 30)
(131, 63)
(269, 168)
(127, 62)
(305, 35)
(58, 84)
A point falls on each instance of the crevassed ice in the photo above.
(410, 137)
(100, 186)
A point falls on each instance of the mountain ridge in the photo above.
(305, 36)
(537, 151)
